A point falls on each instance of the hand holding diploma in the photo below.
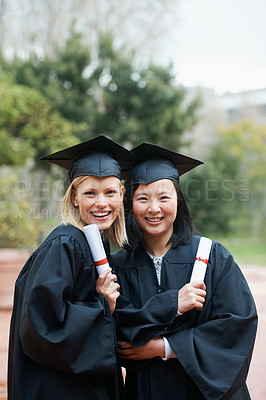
(193, 294)
(106, 283)
(201, 261)
(94, 240)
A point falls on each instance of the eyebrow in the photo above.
(146, 193)
(114, 187)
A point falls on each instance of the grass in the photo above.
(247, 250)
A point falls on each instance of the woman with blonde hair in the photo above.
(62, 333)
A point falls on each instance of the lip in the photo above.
(101, 216)
(154, 221)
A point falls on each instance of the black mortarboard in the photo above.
(100, 157)
(156, 162)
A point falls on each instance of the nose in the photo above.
(154, 207)
(100, 202)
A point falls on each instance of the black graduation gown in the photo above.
(213, 346)
(62, 334)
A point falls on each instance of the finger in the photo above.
(103, 275)
(114, 295)
(200, 299)
(198, 284)
(198, 307)
(123, 344)
(110, 288)
(114, 289)
(200, 292)
(114, 286)
(124, 352)
(111, 278)
(199, 303)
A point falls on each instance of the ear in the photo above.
(121, 197)
(74, 199)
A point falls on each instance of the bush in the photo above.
(17, 228)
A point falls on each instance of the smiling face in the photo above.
(98, 200)
(155, 208)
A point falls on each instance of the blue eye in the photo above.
(111, 192)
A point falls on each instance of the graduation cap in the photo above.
(156, 162)
(100, 157)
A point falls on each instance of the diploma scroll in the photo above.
(201, 261)
(94, 240)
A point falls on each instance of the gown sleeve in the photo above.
(136, 318)
(57, 328)
(156, 314)
(216, 352)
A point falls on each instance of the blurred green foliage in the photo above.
(211, 200)
(29, 127)
(108, 93)
(228, 193)
(52, 102)
(17, 228)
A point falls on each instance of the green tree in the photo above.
(61, 77)
(17, 228)
(228, 193)
(210, 198)
(140, 104)
(240, 156)
(29, 128)
(109, 92)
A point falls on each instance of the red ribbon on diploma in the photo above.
(202, 259)
(100, 262)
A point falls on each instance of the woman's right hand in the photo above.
(153, 348)
(107, 285)
(192, 295)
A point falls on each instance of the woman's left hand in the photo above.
(108, 287)
(153, 348)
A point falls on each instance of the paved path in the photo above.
(256, 277)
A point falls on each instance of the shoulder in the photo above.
(69, 237)
(184, 253)
(67, 232)
(221, 262)
(220, 254)
(130, 259)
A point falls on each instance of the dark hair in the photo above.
(182, 227)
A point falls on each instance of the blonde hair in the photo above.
(116, 234)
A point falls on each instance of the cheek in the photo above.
(172, 210)
(117, 203)
(84, 205)
(135, 208)
(138, 211)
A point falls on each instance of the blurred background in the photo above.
(185, 74)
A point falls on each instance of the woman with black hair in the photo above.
(205, 350)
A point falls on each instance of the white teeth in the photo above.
(100, 214)
(154, 219)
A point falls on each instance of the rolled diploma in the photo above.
(199, 268)
(94, 240)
